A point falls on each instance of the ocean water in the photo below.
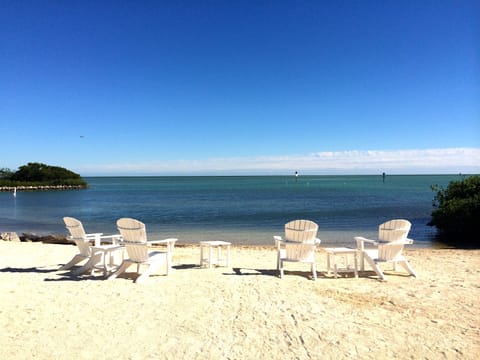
(240, 209)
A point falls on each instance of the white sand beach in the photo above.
(242, 312)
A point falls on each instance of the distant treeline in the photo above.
(37, 176)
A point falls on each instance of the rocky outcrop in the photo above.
(9, 236)
(41, 187)
(30, 237)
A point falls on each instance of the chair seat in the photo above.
(373, 254)
(283, 255)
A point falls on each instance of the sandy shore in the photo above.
(243, 312)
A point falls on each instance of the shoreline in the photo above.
(62, 239)
(57, 238)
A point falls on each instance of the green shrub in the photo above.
(457, 211)
(37, 174)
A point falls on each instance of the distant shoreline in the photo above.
(41, 187)
(285, 175)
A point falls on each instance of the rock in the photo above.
(30, 237)
(47, 239)
(55, 239)
(9, 236)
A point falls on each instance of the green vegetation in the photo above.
(457, 212)
(5, 173)
(37, 174)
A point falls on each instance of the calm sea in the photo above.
(239, 209)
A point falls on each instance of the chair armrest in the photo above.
(92, 235)
(361, 242)
(278, 241)
(361, 238)
(317, 241)
(397, 242)
(111, 238)
(170, 243)
(163, 241)
(106, 248)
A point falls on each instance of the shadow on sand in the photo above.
(275, 273)
(26, 270)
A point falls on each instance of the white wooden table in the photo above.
(333, 255)
(104, 257)
(214, 259)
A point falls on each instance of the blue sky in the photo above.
(241, 87)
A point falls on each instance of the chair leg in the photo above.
(95, 258)
(125, 264)
(150, 269)
(281, 268)
(408, 268)
(76, 259)
(314, 271)
(362, 260)
(169, 263)
(375, 267)
(143, 276)
(112, 256)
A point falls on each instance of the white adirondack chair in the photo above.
(299, 245)
(93, 254)
(392, 237)
(135, 240)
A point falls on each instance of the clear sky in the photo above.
(241, 87)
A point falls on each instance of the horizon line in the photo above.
(460, 160)
(287, 175)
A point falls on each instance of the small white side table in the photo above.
(107, 256)
(102, 258)
(211, 259)
(343, 252)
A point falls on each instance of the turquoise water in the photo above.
(243, 209)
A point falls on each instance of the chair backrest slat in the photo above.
(134, 235)
(301, 231)
(392, 235)
(75, 227)
(394, 230)
(77, 234)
